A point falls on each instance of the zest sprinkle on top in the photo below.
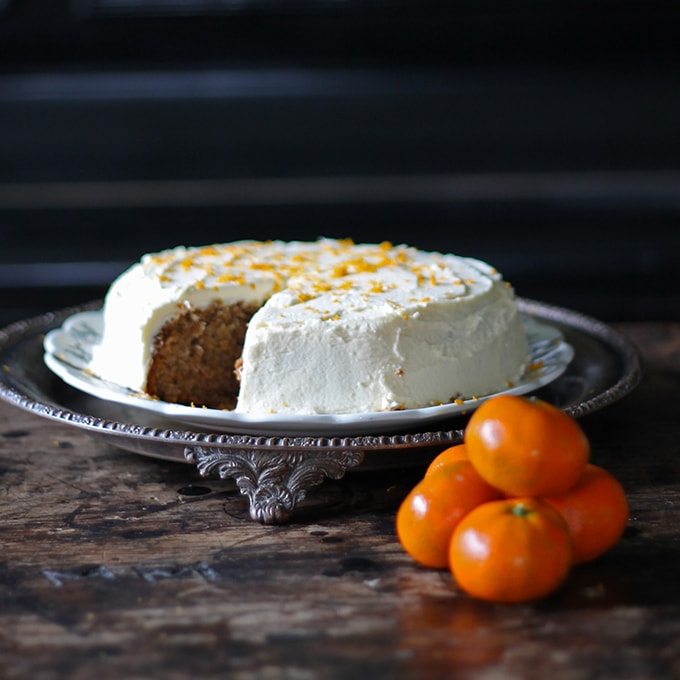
(311, 270)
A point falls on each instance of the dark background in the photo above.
(540, 136)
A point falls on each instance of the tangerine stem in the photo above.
(520, 509)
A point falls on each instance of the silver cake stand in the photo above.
(276, 473)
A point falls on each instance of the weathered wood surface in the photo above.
(114, 565)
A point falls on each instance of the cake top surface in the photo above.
(322, 278)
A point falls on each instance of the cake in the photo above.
(323, 327)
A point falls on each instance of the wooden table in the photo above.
(116, 565)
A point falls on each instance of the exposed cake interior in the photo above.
(195, 353)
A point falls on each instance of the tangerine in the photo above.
(511, 550)
(526, 446)
(430, 512)
(596, 511)
(457, 452)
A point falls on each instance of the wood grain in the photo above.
(115, 565)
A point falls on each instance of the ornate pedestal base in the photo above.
(274, 482)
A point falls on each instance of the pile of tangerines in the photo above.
(515, 506)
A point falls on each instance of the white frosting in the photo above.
(343, 328)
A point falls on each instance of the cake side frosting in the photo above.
(416, 330)
(341, 327)
(152, 291)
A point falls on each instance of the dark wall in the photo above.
(540, 136)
